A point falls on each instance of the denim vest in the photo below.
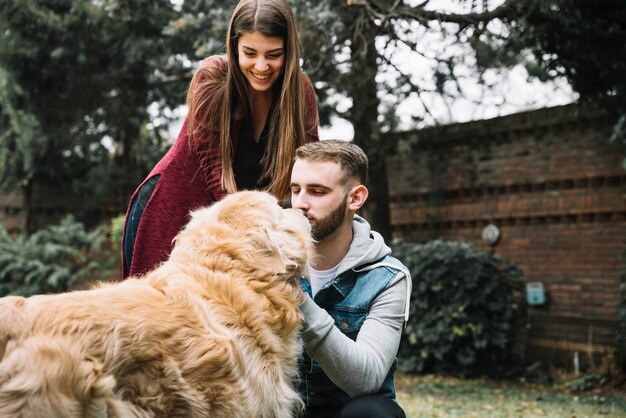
(347, 299)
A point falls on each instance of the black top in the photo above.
(247, 162)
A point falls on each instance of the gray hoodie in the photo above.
(360, 367)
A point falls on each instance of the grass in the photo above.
(437, 396)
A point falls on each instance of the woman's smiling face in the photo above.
(261, 59)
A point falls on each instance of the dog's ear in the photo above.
(278, 246)
(287, 252)
(264, 252)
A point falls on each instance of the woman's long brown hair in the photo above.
(218, 98)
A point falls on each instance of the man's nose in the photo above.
(299, 202)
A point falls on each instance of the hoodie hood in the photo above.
(367, 246)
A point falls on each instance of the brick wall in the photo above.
(554, 185)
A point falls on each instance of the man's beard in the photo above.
(328, 224)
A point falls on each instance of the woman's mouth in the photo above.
(261, 77)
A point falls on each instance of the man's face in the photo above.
(316, 189)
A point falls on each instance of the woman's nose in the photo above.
(261, 64)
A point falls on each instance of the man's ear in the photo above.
(357, 197)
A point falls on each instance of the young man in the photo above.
(358, 294)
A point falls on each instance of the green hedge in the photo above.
(462, 310)
(52, 259)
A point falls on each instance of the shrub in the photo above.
(117, 230)
(50, 260)
(462, 309)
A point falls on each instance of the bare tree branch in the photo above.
(418, 13)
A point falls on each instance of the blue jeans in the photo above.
(370, 406)
(134, 216)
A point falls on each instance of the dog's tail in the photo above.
(50, 377)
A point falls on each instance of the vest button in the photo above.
(344, 325)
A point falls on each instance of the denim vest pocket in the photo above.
(349, 320)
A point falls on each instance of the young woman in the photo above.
(248, 112)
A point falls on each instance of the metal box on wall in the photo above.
(535, 294)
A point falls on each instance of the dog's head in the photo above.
(248, 227)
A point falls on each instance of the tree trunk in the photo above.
(130, 159)
(364, 118)
(28, 226)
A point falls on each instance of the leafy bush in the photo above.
(589, 381)
(50, 260)
(117, 229)
(462, 309)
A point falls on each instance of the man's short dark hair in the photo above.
(349, 156)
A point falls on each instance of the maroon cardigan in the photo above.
(182, 187)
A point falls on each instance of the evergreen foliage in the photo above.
(77, 79)
(580, 40)
(462, 309)
(51, 260)
(20, 136)
(117, 230)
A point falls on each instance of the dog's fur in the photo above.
(211, 332)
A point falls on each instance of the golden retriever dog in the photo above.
(211, 332)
